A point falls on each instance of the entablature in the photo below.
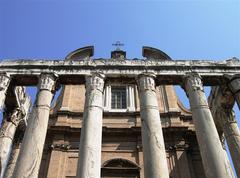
(26, 72)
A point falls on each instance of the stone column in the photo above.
(154, 155)
(234, 86)
(14, 155)
(212, 153)
(222, 101)
(89, 163)
(30, 155)
(7, 133)
(232, 136)
(4, 83)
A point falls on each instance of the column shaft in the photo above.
(89, 163)
(30, 155)
(232, 136)
(213, 157)
(14, 155)
(155, 161)
(4, 83)
(6, 137)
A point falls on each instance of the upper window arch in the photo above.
(118, 166)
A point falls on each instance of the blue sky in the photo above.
(50, 29)
(183, 29)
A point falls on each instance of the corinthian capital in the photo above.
(95, 82)
(193, 82)
(4, 82)
(234, 83)
(47, 81)
(17, 116)
(146, 82)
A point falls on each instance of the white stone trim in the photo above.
(130, 99)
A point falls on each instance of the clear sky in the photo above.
(197, 29)
(183, 29)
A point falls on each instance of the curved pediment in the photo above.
(81, 53)
(154, 53)
(119, 163)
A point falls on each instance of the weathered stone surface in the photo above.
(34, 138)
(14, 155)
(155, 161)
(213, 156)
(11, 122)
(89, 164)
(167, 71)
(4, 83)
(234, 86)
(221, 103)
(6, 138)
(121, 130)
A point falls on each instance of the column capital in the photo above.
(47, 81)
(146, 81)
(95, 81)
(233, 82)
(193, 81)
(226, 99)
(17, 116)
(4, 81)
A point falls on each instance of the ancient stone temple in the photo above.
(118, 117)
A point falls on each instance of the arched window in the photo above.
(120, 168)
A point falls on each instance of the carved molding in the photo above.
(47, 81)
(168, 72)
(146, 82)
(95, 82)
(60, 146)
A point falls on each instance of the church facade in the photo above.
(131, 125)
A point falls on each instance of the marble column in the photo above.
(222, 102)
(154, 154)
(28, 163)
(89, 163)
(232, 136)
(7, 133)
(14, 155)
(4, 83)
(234, 86)
(212, 153)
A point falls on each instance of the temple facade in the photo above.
(119, 117)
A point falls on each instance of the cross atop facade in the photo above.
(118, 44)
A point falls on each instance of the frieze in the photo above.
(169, 71)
